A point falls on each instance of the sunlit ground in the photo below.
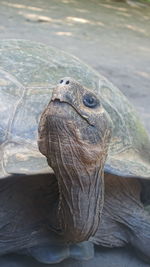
(113, 37)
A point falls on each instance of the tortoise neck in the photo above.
(81, 195)
(78, 163)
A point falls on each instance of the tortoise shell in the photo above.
(28, 73)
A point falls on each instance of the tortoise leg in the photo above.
(124, 220)
(28, 217)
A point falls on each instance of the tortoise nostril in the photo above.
(64, 82)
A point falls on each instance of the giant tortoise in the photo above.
(90, 187)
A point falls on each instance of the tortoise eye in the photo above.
(90, 100)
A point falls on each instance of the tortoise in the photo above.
(75, 159)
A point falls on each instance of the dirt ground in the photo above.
(113, 37)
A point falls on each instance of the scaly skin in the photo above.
(124, 219)
(74, 136)
(35, 199)
(75, 142)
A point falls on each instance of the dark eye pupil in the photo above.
(90, 101)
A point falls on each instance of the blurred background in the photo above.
(112, 36)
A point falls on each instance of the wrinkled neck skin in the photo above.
(76, 150)
(79, 171)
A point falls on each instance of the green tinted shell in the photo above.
(28, 73)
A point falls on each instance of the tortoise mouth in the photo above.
(58, 101)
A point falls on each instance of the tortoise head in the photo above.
(74, 135)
